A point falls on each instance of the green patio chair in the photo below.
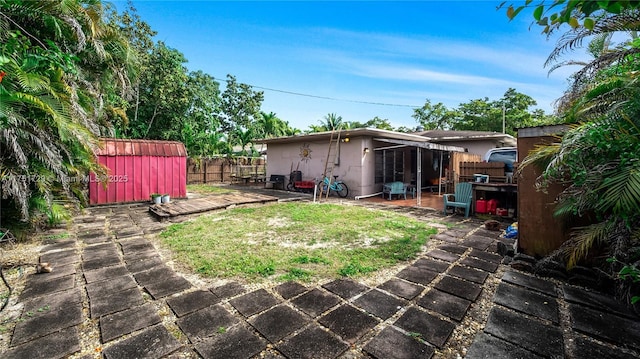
(461, 198)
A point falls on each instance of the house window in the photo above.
(389, 166)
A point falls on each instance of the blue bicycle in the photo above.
(338, 187)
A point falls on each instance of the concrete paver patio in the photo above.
(111, 276)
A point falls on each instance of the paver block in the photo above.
(278, 322)
(116, 325)
(456, 232)
(237, 342)
(101, 263)
(379, 304)
(392, 344)
(138, 265)
(289, 290)
(453, 248)
(51, 303)
(470, 274)
(167, 286)
(477, 242)
(254, 302)
(100, 251)
(141, 254)
(58, 246)
(459, 287)
(485, 346)
(228, 290)
(528, 333)
(447, 238)
(443, 255)
(192, 301)
(47, 323)
(432, 265)
(97, 239)
(92, 233)
(445, 304)
(315, 302)
(527, 301)
(480, 264)
(431, 328)
(417, 275)
(150, 276)
(115, 302)
(348, 322)
(531, 282)
(601, 325)
(206, 322)
(402, 288)
(597, 301)
(346, 288)
(489, 257)
(58, 271)
(135, 244)
(312, 342)
(60, 258)
(60, 344)
(155, 342)
(112, 285)
(38, 288)
(588, 349)
(105, 273)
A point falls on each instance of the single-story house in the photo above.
(363, 158)
(478, 142)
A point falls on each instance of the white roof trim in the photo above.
(426, 145)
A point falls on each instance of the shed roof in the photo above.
(132, 147)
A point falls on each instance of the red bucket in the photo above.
(481, 206)
(492, 205)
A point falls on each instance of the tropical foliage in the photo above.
(596, 159)
(64, 78)
(512, 111)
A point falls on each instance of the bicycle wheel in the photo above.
(342, 190)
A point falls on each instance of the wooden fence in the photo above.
(495, 171)
(225, 170)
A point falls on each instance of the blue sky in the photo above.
(395, 53)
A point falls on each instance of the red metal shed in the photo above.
(138, 168)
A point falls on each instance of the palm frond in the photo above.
(583, 240)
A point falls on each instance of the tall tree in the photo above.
(64, 71)
(163, 95)
(434, 117)
(239, 108)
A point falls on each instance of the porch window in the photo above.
(389, 165)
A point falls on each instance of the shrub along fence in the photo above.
(225, 170)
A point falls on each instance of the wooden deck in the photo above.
(205, 204)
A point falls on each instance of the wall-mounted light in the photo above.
(346, 139)
(366, 150)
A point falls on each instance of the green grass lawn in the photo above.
(301, 241)
(208, 189)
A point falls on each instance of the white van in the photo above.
(507, 155)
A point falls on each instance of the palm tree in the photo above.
(332, 122)
(597, 158)
(59, 61)
(269, 125)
